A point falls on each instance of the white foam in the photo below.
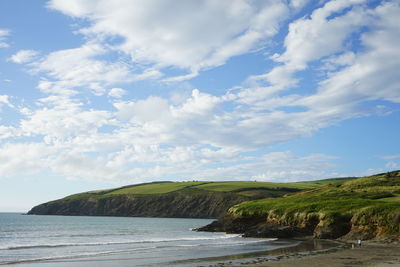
(122, 242)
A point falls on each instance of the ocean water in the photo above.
(117, 241)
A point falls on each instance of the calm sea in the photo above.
(117, 241)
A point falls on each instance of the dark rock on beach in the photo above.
(254, 227)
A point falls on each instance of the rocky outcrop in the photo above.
(363, 208)
(254, 227)
(341, 227)
(196, 204)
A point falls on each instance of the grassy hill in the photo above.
(170, 199)
(240, 187)
(367, 208)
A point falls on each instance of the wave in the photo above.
(76, 256)
(154, 240)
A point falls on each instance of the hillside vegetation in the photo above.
(169, 199)
(366, 208)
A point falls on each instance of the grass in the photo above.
(318, 183)
(236, 186)
(154, 188)
(369, 200)
(245, 188)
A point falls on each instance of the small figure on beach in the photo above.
(359, 242)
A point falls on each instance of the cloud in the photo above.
(7, 132)
(392, 162)
(23, 56)
(22, 158)
(392, 165)
(3, 35)
(143, 111)
(349, 45)
(372, 74)
(287, 167)
(191, 35)
(390, 157)
(275, 166)
(321, 35)
(116, 92)
(85, 67)
(352, 76)
(79, 67)
(5, 99)
(62, 118)
(78, 166)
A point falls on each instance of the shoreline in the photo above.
(371, 253)
(284, 248)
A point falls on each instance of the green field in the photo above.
(154, 188)
(369, 200)
(239, 186)
(245, 188)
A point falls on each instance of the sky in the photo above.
(97, 94)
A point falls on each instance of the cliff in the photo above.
(363, 208)
(166, 199)
(177, 204)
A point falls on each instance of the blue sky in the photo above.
(98, 94)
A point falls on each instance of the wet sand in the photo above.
(375, 254)
(284, 248)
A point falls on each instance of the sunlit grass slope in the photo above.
(373, 200)
(154, 188)
(246, 188)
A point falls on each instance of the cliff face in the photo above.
(340, 227)
(176, 204)
(165, 199)
(278, 227)
(364, 208)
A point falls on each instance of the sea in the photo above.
(36, 240)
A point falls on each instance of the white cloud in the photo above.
(143, 111)
(353, 77)
(23, 158)
(297, 4)
(373, 74)
(79, 68)
(318, 36)
(78, 166)
(62, 118)
(23, 56)
(392, 165)
(191, 35)
(84, 68)
(7, 132)
(392, 162)
(116, 92)
(202, 135)
(3, 35)
(309, 39)
(390, 157)
(276, 167)
(5, 99)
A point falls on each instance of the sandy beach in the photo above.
(371, 253)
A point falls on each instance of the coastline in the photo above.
(283, 248)
(371, 253)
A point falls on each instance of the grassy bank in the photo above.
(368, 206)
(245, 188)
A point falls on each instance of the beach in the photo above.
(371, 253)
